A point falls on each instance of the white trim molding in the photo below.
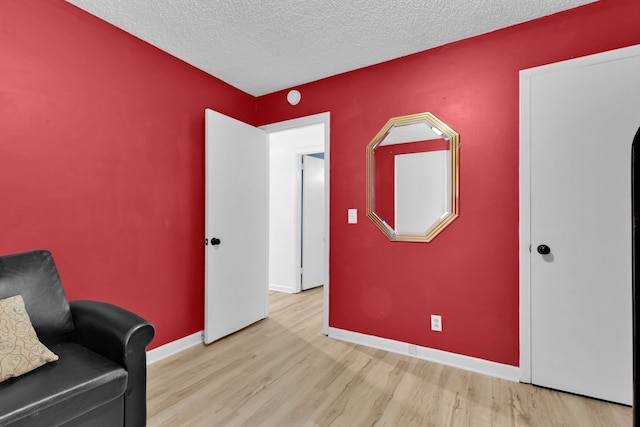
(485, 367)
(174, 347)
(282, 288)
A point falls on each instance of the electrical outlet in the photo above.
(436, 322)
(413, 350)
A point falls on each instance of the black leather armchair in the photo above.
(100, 376)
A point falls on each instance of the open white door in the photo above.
(313, 262)
(236, 226)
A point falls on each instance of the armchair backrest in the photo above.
(34, 276)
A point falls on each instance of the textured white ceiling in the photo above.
(261, 46)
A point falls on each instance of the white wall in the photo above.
(285, 147)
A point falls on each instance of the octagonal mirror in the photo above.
(412, 177)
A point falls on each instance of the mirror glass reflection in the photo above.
(412, 177)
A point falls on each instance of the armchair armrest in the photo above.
(121, 336)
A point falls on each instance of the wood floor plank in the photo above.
(283, 371)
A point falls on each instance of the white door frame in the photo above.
(525, 187)
(323, 118)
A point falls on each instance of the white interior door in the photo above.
(581, 123)
(313, 262)
(236, 204)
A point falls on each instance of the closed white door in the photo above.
(236, 226)
(313, 253)
(581, 121)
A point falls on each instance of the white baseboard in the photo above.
(173, 347)
(281, 288)
(494, 369)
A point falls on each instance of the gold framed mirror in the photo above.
(413, 177)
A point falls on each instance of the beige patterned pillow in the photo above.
(20, 349)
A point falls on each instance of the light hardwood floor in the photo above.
(283, 371)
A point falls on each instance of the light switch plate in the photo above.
(352, 216)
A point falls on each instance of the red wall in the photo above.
(101, 160)
(469, 272)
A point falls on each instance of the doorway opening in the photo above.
(296, 220)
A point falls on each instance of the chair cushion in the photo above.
(57, 392)
(34, 276)
(20, 350)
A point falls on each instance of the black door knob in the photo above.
(215, 241)
(544, 250)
